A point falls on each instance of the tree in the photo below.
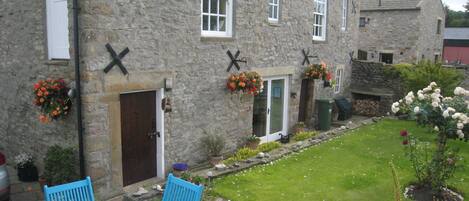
(467, 6)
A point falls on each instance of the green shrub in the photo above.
(213, 144)
(417, 76)
(304, 135)
(60, 165)
(241, 154)
(267, 147)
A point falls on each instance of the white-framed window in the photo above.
(58, 43)
(216, 18)
(274, 10)
(344, 14)
(339, 73)
(320, 15)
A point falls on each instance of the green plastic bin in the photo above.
(325, 114)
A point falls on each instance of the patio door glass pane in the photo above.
(276, 105)
(259, 121)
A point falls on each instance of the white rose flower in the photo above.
(450, 109)
(436, 129)
(395, 110)
(435, 104)
(400, 101)
(446, 114)
(427, 89)
(447, 98)
(460, 126)
(421, 96)
(460, 134)
(409, 101)
(459, 91)
(433, 84)
(417, 109)
(438, 91)
(456, 115)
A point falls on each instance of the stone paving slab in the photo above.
(23, 191)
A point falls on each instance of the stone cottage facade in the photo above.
(396, 31)
(177, 58)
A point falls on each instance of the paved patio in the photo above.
(23, 191)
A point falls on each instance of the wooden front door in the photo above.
(138, 127)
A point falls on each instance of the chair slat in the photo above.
(180, 190)
(75, 191)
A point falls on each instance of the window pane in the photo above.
(259, 116)
(213, 23)
(275, 12)
(271, 11)
(276, 106)
(213, 6)
(205, 23)
(205, 5)
(319, 31)
(222, 23)
(223, 7)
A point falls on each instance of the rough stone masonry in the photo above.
(165, 41)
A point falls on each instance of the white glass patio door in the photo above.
(270, 110)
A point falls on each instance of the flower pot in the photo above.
(27, 173)
(252, 144)
(215, 160)
(284, 139)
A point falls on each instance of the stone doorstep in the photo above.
(277, 154)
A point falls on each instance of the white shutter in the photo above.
(57, 29)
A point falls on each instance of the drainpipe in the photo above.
(76, 45)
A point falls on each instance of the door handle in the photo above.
(153, 134)
(268, 110)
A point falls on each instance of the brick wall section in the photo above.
(23, 61)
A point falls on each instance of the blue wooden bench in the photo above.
(75, 191)
(180, 190)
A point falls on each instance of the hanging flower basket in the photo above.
(246, 82)
(319, 71)
(52, 96)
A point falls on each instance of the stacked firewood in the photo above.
(366, 107)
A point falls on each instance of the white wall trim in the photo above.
(160, 165)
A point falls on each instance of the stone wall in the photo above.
(164, 40)
(23, 61)
(394, 32)
(371, 78)
(409, 34)
(430, 43)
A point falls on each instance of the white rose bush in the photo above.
(448, 119)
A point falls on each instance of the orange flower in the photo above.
(43, 89)
(232, 86)
(41, 100)
(254, 80)
(43, 118)
(323, 65)
(242, 84)
(46, 93)
(39, 93)
(55, 113)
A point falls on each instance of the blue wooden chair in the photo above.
(180, 190)
(75, 191)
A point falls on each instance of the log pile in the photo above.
(366, 107)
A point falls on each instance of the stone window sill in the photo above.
(57, 62)
(217, 39)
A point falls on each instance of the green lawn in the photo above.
(353, 167)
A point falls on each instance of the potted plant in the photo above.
(51, 95)
(213, 145)
(60, 165)
(252, 142)
(319, 71)
(246, 82)
(179, 169)
(25, 167)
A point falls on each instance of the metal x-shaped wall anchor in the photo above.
(116, 59)
(351, 55)
(235, 60)
(354, 7)
(307, 56)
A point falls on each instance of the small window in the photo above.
(344, 14)
(386, 57)
(217, 18)
(362, 22)
(274, 10)
(362, 55)
(58, 43)
(320, 15)
(437, 58)
(338, 79)
(438, 27)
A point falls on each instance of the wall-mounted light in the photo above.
(71, 93)
(168, 84)
(293, 95)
